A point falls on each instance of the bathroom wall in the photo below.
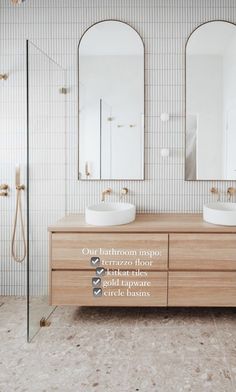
(56, 27)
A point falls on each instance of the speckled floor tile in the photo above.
(177, 373)
(119, 350)
(172, 317)
(87, 316)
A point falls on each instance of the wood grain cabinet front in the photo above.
(202, 288)
(202, 252)
(160, 260)
(115, 250)
(86, 288)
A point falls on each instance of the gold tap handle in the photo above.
(230, 192)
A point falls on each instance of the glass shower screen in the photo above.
(46, 166)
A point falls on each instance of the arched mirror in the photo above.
(211, 102)
(111, 103)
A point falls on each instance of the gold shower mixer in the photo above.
(20, 187)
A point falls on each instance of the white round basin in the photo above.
(220, 213)
(110, 214)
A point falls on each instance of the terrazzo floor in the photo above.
(119, 350)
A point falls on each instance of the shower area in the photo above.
(32, 172)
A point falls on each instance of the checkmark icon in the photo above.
(96, 281)
(97, 292)
(100, 271)
(95, 261)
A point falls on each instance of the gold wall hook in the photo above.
(63, 90)
(3, 76)
(4, 193)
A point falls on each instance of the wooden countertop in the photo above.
(144, 223)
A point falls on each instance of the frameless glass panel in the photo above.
(46, 173)
(210, 102)
(111, 102)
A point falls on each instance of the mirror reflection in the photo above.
(211, 102)
(111, 103)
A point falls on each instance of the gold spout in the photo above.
(215, 191)
(107, 191)
(230, 192)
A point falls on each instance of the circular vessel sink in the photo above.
(220, 213)
(110, 214)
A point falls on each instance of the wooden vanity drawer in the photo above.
(202, 288)
(202, 252)
(76, 288)
(116, 250)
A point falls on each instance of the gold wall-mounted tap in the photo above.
(230, 192)
(107, 191)
(215, 191)
(123, 192)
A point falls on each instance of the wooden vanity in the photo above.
(158, 260)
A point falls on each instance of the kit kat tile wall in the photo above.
(56, 26)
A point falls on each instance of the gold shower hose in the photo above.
(18, 259)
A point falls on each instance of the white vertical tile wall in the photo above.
(56, 26)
